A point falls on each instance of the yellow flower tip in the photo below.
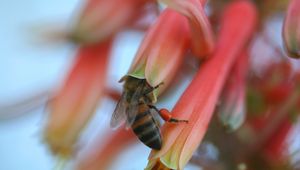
(57, 148)
(232, 123)
(78, 37)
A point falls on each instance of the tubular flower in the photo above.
(74, 104)
(103, 156)
(232, 110)
(162, 50)
(202, 38)
(100, 19)
(200, 98)
(291, 29)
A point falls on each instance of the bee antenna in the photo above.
(122, 79)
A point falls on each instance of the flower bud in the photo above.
(100, 19)
(75, 102)
(162, 50)
(291, 29)
(233, 107)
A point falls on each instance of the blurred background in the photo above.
(30, 70)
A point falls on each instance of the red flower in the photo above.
(162, 50)
(100, 19)
(202, 38)
(200, 98)
(75, 102)
(111, 145)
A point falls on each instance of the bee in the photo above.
(136, 108)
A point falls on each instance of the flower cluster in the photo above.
(242, 108)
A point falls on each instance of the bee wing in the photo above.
(132, 110)
(155, 114)
(119, 114)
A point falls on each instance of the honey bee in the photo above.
(136, 109)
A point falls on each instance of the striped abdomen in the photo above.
(145, 127)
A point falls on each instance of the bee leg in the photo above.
(166, 116)
(153, 88)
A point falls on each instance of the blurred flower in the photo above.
(200, 98)
(267, 145)
(232, 109)
(268, 130)
(162, 50)
(75, 102)
(268, 8)
(276, 147)
(277, 83)
(291, 29)
(100, 19)
(202, 38)
(270, 88)
(109, 146)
